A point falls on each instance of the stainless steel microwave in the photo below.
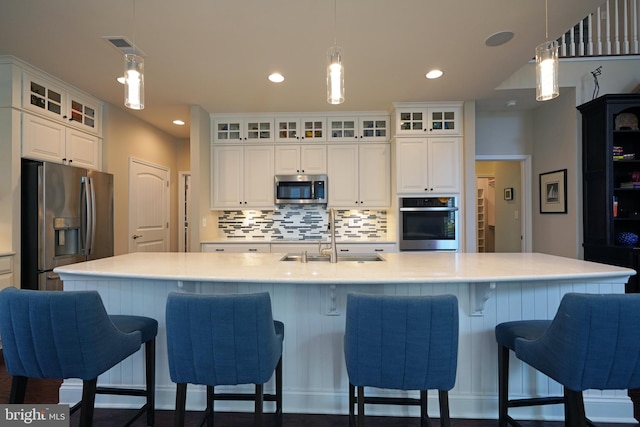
(300, 189)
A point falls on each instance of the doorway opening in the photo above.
(503, 204)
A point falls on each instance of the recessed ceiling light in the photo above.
(178, 122)
(276, 77)
(434, 74)
(499, 38)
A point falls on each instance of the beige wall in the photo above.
(126, 136)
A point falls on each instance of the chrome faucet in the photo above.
(332, 249)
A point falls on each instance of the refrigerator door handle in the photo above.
(84, 193)
(91, 226)
(85, 216)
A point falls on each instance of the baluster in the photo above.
(636, 49)
(590, 41)
(599, 24)
(616, 42)
(608, 28)
(573, 41)
(625, 35)
(581, 49)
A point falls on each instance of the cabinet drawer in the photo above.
(236, 248)
(366, 248)
(5, 265)
(6, 280)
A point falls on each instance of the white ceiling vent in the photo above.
(122, 44)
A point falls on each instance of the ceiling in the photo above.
(218, 53)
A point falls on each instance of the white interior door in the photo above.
(148, 207)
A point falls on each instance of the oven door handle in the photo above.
(428, 209)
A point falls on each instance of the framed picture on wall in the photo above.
(508, 193)
(553, 192)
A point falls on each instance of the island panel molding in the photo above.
(527, 286)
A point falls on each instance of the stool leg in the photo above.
(181, 400)
(574, 409)
(352, 402)
(209, 410)
(503, 385)
(424, 416)
(360, 406)
(88, 401)
(150, 367)
(18, 389)
(443, 398)
(259, 405)
(279, 393)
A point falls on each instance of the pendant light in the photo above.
(547, 65)
(335, 69)
(134, 74)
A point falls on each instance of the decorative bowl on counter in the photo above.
(626, 238)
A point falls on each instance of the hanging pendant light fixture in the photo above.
(134, 74)
(335, 69)
(547, 65)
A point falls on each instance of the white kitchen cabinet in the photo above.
(359, 175)
(428, 165)
(298, 129)
(300, 159)
(64, 105)
(242, 177)
(6, 271)
(431, 119)
(243, 129)
(295, 248)
(366, 248)
(359, 128)
(236, 247)
(47, 140)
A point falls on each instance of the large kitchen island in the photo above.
(310, 299)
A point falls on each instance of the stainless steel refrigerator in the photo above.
(67, 217)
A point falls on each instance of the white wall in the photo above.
(557, 147)
(504, 132)
(551, 134)
(127, 136)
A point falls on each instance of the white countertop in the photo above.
(404, 267)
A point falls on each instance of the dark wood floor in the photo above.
(46, 391)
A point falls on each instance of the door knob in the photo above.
(136, 236)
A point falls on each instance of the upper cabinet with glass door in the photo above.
(365, 128)
(44, 97)
(300, 129)
(428, 119)
(241, 129)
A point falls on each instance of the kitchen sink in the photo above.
(341, 258)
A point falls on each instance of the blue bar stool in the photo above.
(593, 342)
(401, 343)
(60, 335)
(217, 340)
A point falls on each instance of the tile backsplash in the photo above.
(299, 222)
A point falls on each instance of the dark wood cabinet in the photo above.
(611, 187)
(611, 180)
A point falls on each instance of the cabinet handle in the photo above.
(253, 250)
(219, 249)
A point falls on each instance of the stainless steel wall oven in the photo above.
(428, 223)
